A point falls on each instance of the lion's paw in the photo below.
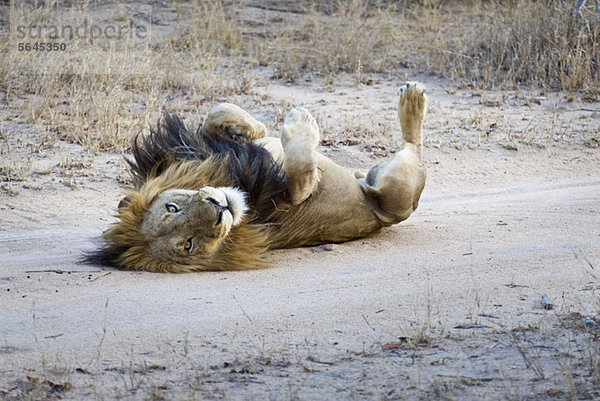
(300, 115)
(233, 121)
(412, 97)
(300, 125)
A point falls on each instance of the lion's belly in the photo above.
(337, 211)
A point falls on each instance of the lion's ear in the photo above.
(125, 202)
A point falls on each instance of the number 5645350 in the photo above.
(42, 46)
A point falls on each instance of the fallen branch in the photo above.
(100, 276)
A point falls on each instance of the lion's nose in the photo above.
(214, 202)
(220, 209)
(218, 205)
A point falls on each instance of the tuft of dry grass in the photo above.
(522, 42)
(101, 94)
(354, 36)
(490, 44)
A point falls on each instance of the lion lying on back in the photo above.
(219, 198)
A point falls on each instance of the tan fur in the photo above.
(328, 204)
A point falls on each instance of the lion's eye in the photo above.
(189, 245)
(172, 208)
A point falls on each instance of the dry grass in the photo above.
(354, 37)
(101, 94)
(491, 44)
(538, 43)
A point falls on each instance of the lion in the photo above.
(221, 197)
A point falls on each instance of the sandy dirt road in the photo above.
(482, 254)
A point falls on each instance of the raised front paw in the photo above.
(412, 98)
(301, 128)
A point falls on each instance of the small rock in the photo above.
(546, 304)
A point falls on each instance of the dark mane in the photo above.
(251, 167)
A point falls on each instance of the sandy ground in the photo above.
(444, 305)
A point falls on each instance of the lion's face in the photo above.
(181, 224)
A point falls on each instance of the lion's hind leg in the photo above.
(299, 139)
(232, 121)
(397, 184)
